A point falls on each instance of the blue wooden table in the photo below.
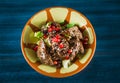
(103, 14)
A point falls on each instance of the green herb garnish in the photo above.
(38, 34)
(70, 25)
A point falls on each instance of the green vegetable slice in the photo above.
(47, 41)
(48, 24)
(66, 63)
(38, 34)
(70, 25)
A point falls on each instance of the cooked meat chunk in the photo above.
(61, 47)
(43, 55)
(62, 51)
(76, 44)
(75, 49)
(75, 32)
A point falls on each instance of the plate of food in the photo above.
(58, 42)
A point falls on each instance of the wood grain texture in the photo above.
(103, 14)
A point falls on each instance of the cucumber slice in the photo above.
(48, 24)
(47, 41)
(66, 63)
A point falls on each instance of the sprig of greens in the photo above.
(38, 34)
(70, 25)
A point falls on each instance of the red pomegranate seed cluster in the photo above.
(56, 38)
(53, 28)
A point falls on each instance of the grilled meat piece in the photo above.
(43, 55)
(75, 32)
(62, 52)
(75, 42)
(78, 47)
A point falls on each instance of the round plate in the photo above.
(57, 14)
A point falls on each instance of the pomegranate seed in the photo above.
(61, 46)
(70, 51)
(45, 36)
(86, 38)
(35, 48)
(57, 29)
(50, 30)
(55, 39)
(57, 36)
(53, 27)
(67, 57)
(58, 40)
(55, 62)
(85, 42)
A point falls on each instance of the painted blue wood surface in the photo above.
(103, 14)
